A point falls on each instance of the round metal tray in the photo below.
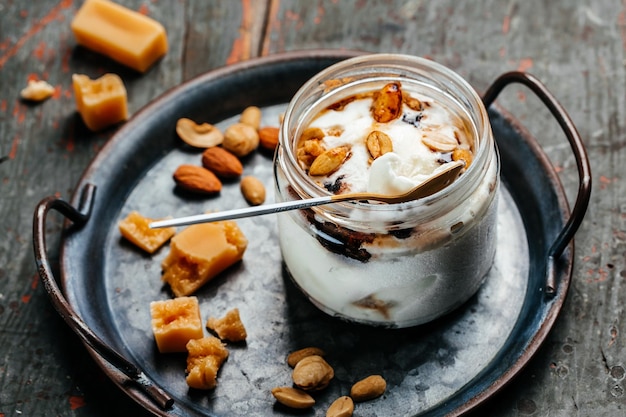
(444, 368)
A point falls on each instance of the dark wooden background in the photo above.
(577, 48)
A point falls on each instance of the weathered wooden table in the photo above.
(578, 49)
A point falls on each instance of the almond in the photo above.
(223, 163)
(268, 137)
(329, 161)
(197, 179)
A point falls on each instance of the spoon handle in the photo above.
(428, 187)
(243, 212)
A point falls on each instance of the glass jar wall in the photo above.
(392, 265)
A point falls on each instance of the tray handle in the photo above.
(582, 162)
(79, 216)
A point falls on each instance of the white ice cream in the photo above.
(411, 161)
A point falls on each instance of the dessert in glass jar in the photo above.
(384, 123)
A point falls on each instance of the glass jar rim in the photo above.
(392, 65)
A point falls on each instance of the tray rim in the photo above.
(532, 345)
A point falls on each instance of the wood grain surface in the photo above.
(577, 48)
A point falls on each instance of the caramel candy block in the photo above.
(124, 35)
(228, 327)
(136, 228)
(205, 357)
(199, 253)
(101, 102)
(175, 322)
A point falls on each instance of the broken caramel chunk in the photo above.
(175, 322)
(37, 90)
(124, 35)
(229, 327)
(199, 253)
(136, 228)
(100, 102)
(205, 357)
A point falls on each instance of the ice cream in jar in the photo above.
(383, 124)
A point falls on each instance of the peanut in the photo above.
(411, 102)
(293, 397)
(251, 116)
(378, 143)
(464, 155)
(312, 133)
(341, 407)
(296, 356)
(253, 190)
(369, 388)
(312, 373)
(240, 139)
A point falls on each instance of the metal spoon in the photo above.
(426, 188)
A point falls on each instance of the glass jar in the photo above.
(392, 265)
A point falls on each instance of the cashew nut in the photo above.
(202, 135)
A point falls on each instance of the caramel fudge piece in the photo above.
(205, 356)
(101, 102)
(136, 228)
(124, 35)
(175, 322)
(199, 253)
(228, 327)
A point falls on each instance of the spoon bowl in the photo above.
(428, 187)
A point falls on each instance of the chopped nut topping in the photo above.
(464, 155)
(329, 161)
(308, 151)
(378, 143)
(439, 142)
(387, 104)
(411, 102)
